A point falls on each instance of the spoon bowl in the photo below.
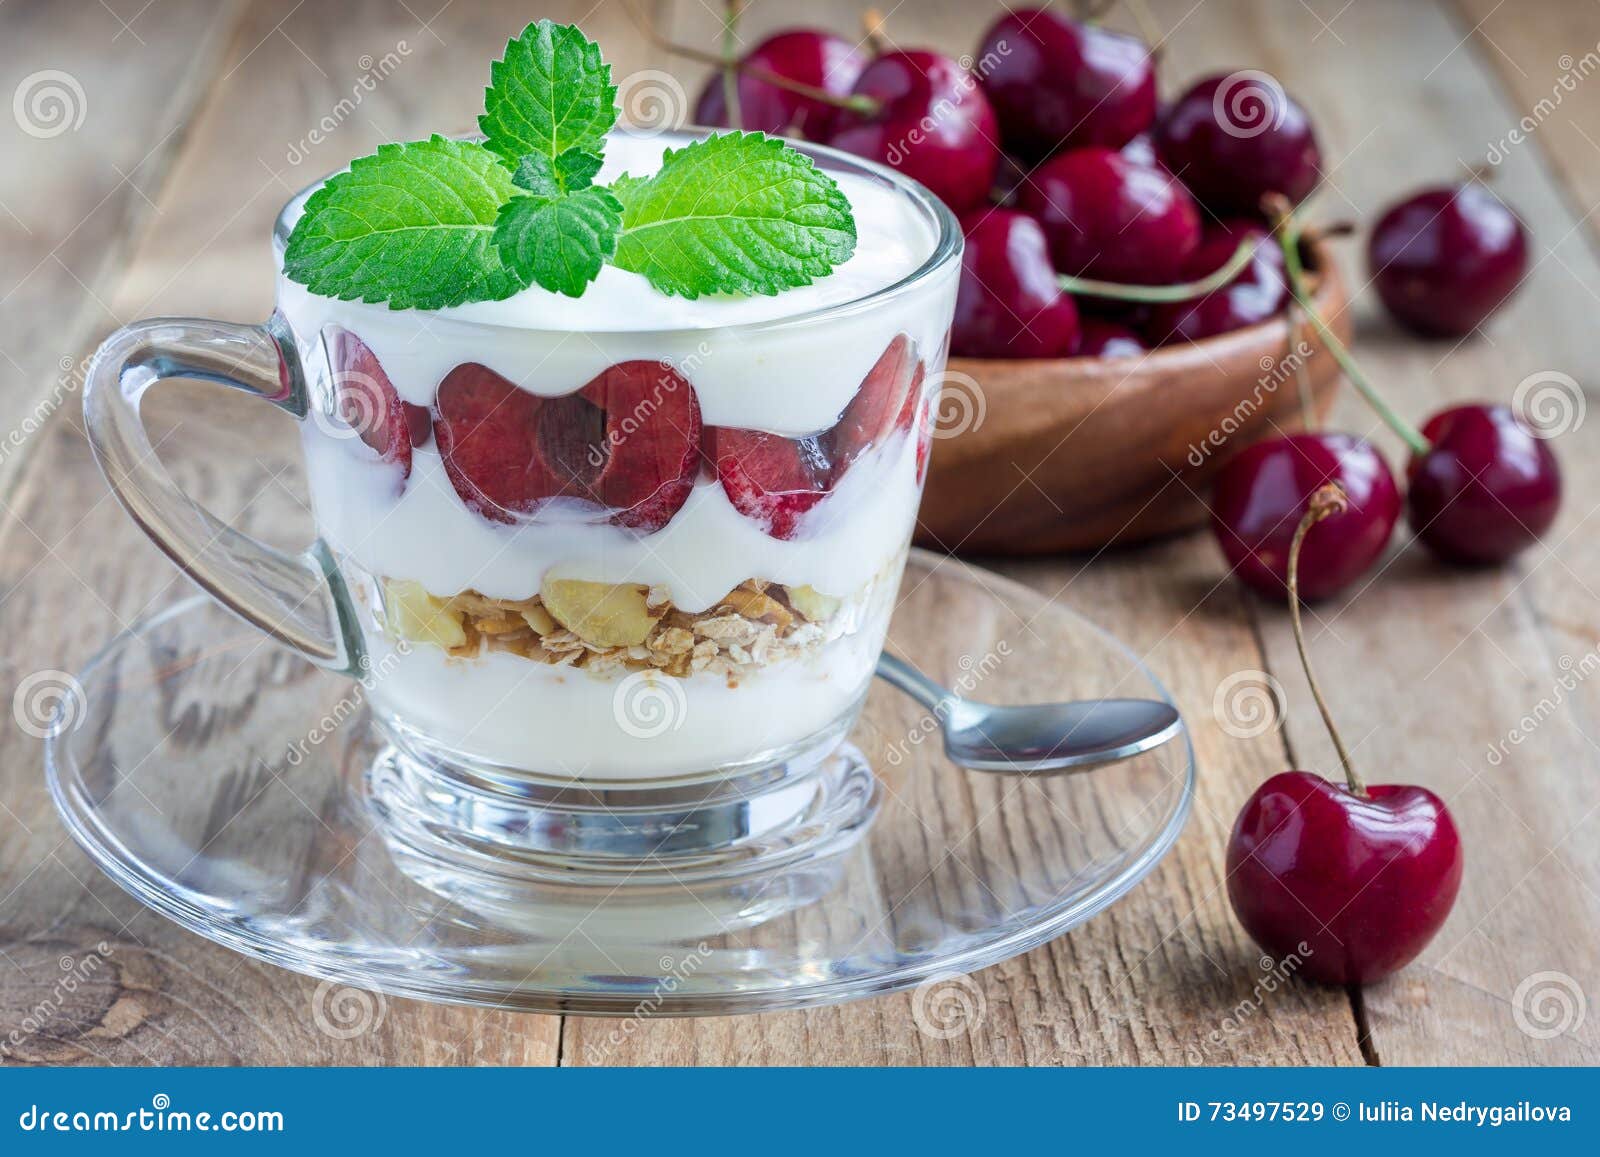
(1038, 738)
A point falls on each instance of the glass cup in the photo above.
(592, 574)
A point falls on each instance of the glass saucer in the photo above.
(243, 793)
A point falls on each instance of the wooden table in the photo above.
(197, 122)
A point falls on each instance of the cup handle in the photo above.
(299, 600)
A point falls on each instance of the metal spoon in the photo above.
(1040, 737)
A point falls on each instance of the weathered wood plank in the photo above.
(101, 97)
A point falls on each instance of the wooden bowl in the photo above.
(1076, 453)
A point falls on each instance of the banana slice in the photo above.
(602, 614)
(411, 613)
(812, 603)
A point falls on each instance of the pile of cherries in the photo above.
(1102, 223)
(1072, 180)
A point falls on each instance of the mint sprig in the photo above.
(441, 222)
(735, 213)
(550, 92)
(413, 226)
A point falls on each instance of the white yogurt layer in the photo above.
(562, 721)
(426, 534)
(791, 380)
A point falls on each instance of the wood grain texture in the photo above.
(101, 99)
(1428, 669)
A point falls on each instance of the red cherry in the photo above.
(1058, 84)
(1009, 304)
(1233, 139)
(807, 55)
(419, 423)
(1107, 339)
(1111, 219)
(1445, 259)
(932, 122)
(1141, 150)
(776, 480)
(1362, 883)
(1261, 494)
(1487, 489)
(628, 442)
(769, 478)
(367, 401)
(1258, 293)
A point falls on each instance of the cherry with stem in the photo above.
(855, 103)
(1353, 880)
(1483, 487)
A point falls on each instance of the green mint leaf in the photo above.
(577, 168)
(735, 213)
(537, 174)
(559, 243)
(413, 225)
(572, 170)
(550, 93)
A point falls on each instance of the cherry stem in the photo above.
(1180, 292)
(1289, 239)
(872, 27)
(1328, 500)
(730, 60)
(860, 104)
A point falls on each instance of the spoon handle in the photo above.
(899, 673)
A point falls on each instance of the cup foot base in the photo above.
(746, 848)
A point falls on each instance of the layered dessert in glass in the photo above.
(632, 537)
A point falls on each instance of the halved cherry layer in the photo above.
(627, 442)
(367, 401)
(776, 480)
